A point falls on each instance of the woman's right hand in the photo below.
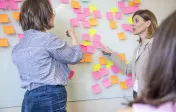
(106, 50)
(71, 33)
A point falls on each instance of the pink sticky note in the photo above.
(12, 5)
(86, 37)
(97, 45)
(96, 88)
(121, 4)
(80, 17)
(118, 15)
(114, 69)
(86, 24)
(109, 15)
(77, 11)
(90, 49)
(97, 14)
(96, 38)
(71, 74)
(74, 22)
(2, 5)
(106, 83)
(87, 11)
(130, 9)
(96, 75)
(64, 1)
(20, 36)
(135, 8)
(130, 76)
(83, 48)
(129, 82)
(127, 27)
(103, 71)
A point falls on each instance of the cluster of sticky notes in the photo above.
(121, 36)
(8, 30)
(4, 18)
(3, 42)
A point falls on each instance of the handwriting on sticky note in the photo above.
(74, 22)
(3, 5)
(127, 27)
(102, 60)
(8, 30)
(103, 72)
(86, 24)
(4, 42)
(75, 4)
(123, 85)
(97, 38)
(83, 48)
(86, 43)
(96, 67)
(96, 89)
(112, 24)
(92, 8)
(88, 58)
(71, 74)
(106, 83)
(109, 15)
(118, 15)
(130, 20)
(121, 4)
(12, 5)
(86, 37)
(64, 1)
(122, 57)
(97, 14)
(80, 17)
(114, 10)
(96, 75)
(4, 18)
(93, 21)
(121, 36)
(92, 32)
(114, 79)
(129, 82)
(20, 36)
(90, 49)
(16, 15)
(97, 45)
(114, 69)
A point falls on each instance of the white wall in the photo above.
(161, 9)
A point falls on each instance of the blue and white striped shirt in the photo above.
(42, 59)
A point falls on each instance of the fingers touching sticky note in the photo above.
(123, 85)
(16, 15)
(4, 42)
(93, 21)
(102, 60)
(96, 67)
(4, 18)
(121, 36)
(113, 24)
(8, 29)
(114, 79)
(75, 4)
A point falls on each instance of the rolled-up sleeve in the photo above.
(60, 51)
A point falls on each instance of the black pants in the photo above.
(134, 94)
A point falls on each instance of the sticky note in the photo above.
(88, 58)
(86, 24)
(12, 5)
(83, 48)
(8, 30)
(97, 14)
(20, 36)
(71, 74)
(96, 67)
(74, 22)
(109, 64)
(80, 17)
(75, 4)
(77, 11)
(121, 4)
(103, 72)
(93, 21)
(96, 75)
(87, 12)
(92, 32)
(127, 27)
(114, 79)
(64, 1)
(130, 9)
(114, 10)
(102, 60)
(131, 3)
(109, 15)
(16, 15)
(86, 37)
(86, 43)
(97, 38)
(130, 20)
(4, 18)
(137, 1)
(123, 85)
(112, 24)
(122, 56)
(118, 15)
(3, 5)
(114, 69)
(90, 49)
(121, 36)
(4, 42)
(96, 89)
(97, 45)
(106, 83)
(129, 82)
(92, 8)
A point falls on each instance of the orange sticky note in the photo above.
(8, 29)
(131, 3)
(114, 79)
(75, 4)
(137, 1)
(3, 42)
(16, 15)
(88, 58)
(122, 57)
(82, 61)
(113, 24)
(4, 18)
(121, 72)
(102, 60)
(93, 21)
(121, 36)
(123, 85)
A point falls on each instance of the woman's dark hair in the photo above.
(36, 14)
(161, 69)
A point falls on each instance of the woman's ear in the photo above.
(148, 23)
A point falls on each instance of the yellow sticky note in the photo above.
(75, 4)
(92, 8)
(113, 24)
(130, 20)
(86, 43)
(92, 32)
(122, 57)
(93, 21)
(96, 67)
(102, 60)
(137, 1)
(8, 29)
(16, 15)
(4, 18)
(4, 42)
(123, 85)
(121, 36)
(114, 79)
(114, 10)
(109, 64)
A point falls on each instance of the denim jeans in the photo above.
(45, 99)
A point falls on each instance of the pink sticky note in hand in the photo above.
(97, 14)
(106, 83)
(86, 24)
(127, 27)
(12, 5)
(86, 37)
(64, 1)
(3, 5)
(74, 22)
(114, 69)
(20, 36)
(109, 15)
(103, 71)
(80, 17)
(96, 75)
(83, 48)
(129, 82)
(97, 45)
(121, 4)
(71, 74)
(97, 38)
(118, 15)
(87, 11)
(90, 49)
(96, 89)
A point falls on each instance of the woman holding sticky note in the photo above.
(42, 59)
(144, 25)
